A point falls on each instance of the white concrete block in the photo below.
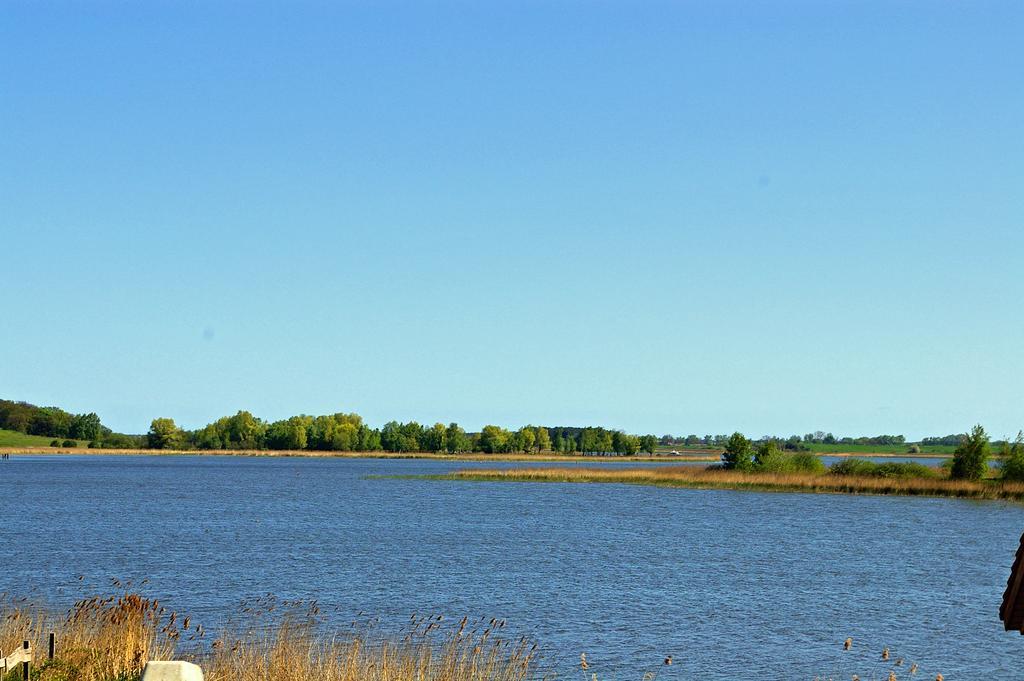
(172, 671)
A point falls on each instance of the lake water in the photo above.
(734, 585)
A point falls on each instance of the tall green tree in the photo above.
(542, 439)
(369, 439)
(557, 443)
(455, 439)
(163, 434)
(970, 460)
(525, 438)
(85, 427)
(738, 453)
(401, 437)
(435, 438)
(766, 452)
(493, 439)
(1013, 459)
(649, 443)
(289, 434)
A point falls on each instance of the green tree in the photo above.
(344, 437)
(767, 453)
(369, 439)
(435, 438)
(244, 431)
(86, 427)
(289, 434)
(401, 437)
(542, 439)
(163, 434)
(649, 443)
(493, 439)
(1013, 459)
(970, 460)
(619, 442)
(525, 438)
(455, 439)
(738, 453)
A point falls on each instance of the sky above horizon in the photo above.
(684, 217)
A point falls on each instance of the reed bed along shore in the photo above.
(700, 478)
(111, 639)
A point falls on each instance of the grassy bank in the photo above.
(14, 439)
(111, 639)
(698, 478)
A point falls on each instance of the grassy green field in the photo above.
(12, 438)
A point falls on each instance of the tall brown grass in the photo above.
(99, 639)
(693, 477)
(292, 651)
(111, 639)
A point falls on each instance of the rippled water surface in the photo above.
(732, 584)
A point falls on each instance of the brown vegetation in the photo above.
(111, 639)
(99, 639)
(693, 477)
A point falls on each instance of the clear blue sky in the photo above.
(664, 217)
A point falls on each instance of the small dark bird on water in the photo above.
(668, 660)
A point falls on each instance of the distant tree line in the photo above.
(49, 421)
(952, 440)
(348, 433)
(801, 442)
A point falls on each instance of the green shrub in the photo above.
(805, 462)
(775, 461)
(908, 469)
(69, 443)
(853, 466)
(889, 469)
(1013, 462)
(766, 456)
(738, 453)
(55, 443)
(771, 460)
(970, 460)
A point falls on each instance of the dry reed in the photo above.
(100, 639)
(701, 478)
(111, 639)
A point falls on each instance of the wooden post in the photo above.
(24, 665)
(53, 647)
